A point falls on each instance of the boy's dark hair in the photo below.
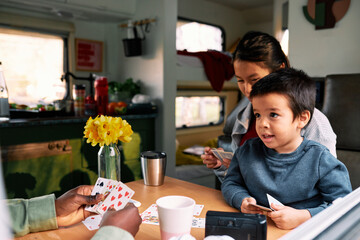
(261, 47)
(299, 88)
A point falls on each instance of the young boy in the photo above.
(300, 173)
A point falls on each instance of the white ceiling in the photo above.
(243, 4)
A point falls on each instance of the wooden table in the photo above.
(211, 199)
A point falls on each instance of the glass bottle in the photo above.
(4, 98)
(90, 106)
(79, 100)
(109, 162)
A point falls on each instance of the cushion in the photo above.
(341, 106)
(188, 159)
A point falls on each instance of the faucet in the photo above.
(91, 78)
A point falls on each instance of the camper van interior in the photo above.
(168, 66)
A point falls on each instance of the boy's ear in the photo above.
(304, 118)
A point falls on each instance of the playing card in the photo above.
(99, 188)
(271, 200)
(136, 203)
(198, 222)
(220, 154)
(150, 215)
(150, 219)
(198, 209)
(217, 154)
(117, 199)
(111, 184)
(102, 186)
(227, 155)
(262, 207)
(92, 222)
(152, 210)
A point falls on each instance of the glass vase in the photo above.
(109, 162)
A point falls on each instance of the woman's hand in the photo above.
(127, 219)
(209, 159)
(226, 162)
(70, 207)
(287, 217)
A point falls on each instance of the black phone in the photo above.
(236, 225)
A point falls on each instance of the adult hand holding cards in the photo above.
(221, 154)
(116, 195)
(271, 200)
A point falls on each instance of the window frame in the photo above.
(64, 36)
(223, 34)
(40, 24)
(198, 94)
(61, 34)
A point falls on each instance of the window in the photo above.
(33, 64)
(195, 36)
(198, 111)
(285, 42)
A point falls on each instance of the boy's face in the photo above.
(275, 123)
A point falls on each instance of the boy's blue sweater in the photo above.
(308, 178)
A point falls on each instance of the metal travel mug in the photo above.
(153, 165)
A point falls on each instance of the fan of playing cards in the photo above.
(221, 154)
(271, 200)
(116, 195)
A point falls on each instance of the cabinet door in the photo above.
(35, 162)
(35, 169)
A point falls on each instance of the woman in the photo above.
(257, 55)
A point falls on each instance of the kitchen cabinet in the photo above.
(42, 156)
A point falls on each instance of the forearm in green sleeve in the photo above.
(111, 232)
(33, 215)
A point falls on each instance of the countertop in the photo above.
(23, 122)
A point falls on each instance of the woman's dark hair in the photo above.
(261, 47)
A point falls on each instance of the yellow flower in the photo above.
(104, 130)
(126, 132)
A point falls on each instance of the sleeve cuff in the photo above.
(111, 232)
(220, 172)
(238, 199)
(42, 214)
(314, 211)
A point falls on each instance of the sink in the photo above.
(21, 113)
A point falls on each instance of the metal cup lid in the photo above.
(152, 154)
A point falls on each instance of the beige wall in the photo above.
(155, 68)
(327, 51)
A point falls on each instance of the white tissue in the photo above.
(183, 237)
(189, 237)
(223, 237)
(141, 98)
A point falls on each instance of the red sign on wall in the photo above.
(88, 55)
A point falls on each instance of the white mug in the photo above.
(175, 215)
